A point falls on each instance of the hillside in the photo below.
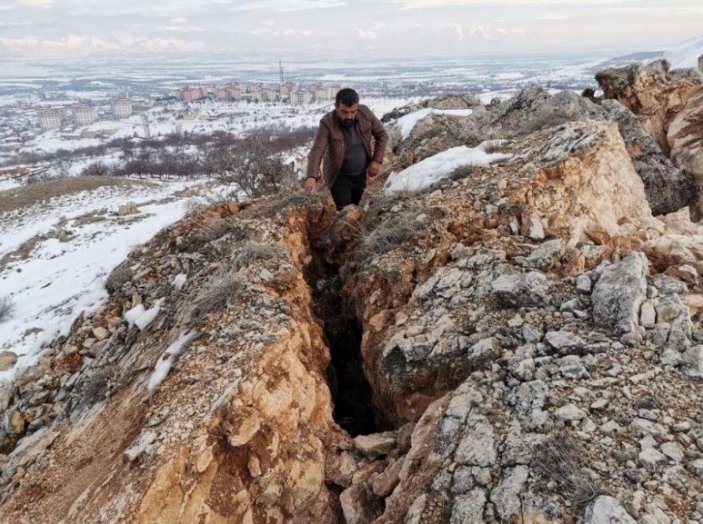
(514, 336)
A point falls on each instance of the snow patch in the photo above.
(147, 317)
(439, 166)
(167, 359)
(179, 280)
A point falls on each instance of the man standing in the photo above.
(344, 138)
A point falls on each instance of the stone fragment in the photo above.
(483, 352)
(477, 447)
(127, 209)
(15, 422)
(684, 273)
(100, 333)
(506, 496)
(650, 458)
(584, 284)
(607, 510)
(571, 367)
(521, 290)
(536, 230)
(692, 361)
(140, 446)
(468, 508)
(570, 413)
(545, 254)
(619, 293)
(673, 450)
(7, 360)
(696, 467)
(376, 443)
(648, 315)
(564, 342)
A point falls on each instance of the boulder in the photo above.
(619, 293)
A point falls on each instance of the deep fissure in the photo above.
(352, 394)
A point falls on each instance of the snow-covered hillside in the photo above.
(56, 253)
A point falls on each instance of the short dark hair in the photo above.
(346, 96)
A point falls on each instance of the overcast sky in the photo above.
(372, 28)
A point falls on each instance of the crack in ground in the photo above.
(352, 395)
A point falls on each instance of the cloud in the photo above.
(81, 45)
(282, 32)
(286, 6)
(36, 2)
(423, 4)
(363, 34)
(181, 28)
(551, 17)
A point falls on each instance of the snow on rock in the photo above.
(166, 361)
(408, 122)
(140, 316)
(64, 277)
(439, 166)
(179, 280)
(147, 317)
(133, 314)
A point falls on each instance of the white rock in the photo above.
(584, 284)
(648, 315)
(650, 458)
(673, 450)
(607, 510)
(569, 413)
(536, 231)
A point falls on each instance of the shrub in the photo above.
(250, 252)
(563, 460)
(222, 290)
(7, 308)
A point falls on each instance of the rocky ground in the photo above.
(520, 342)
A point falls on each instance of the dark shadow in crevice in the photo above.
(351, 392)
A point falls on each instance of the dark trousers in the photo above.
(348, 190)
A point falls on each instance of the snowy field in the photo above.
(56, 255)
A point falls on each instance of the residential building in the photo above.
(85, 115)
(121, 107)
(51, 118)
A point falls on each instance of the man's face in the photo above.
(346, 113)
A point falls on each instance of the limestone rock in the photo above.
(606, 510)
(7, 360)
(619, 293)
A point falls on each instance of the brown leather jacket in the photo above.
(329, 143)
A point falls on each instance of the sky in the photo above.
(69, 29)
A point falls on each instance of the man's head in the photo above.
(346, 105)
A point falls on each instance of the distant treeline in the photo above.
(254, 162)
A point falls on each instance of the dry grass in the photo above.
(272, 207)
(25, 196)
(214, 231)
(563, 460)
(250, 252)
(222, 290)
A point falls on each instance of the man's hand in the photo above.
(310, 184)
(374, 168)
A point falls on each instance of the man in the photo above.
(344, 139)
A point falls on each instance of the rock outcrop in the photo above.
(668, 105)
(667, 186)
(521, 342)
